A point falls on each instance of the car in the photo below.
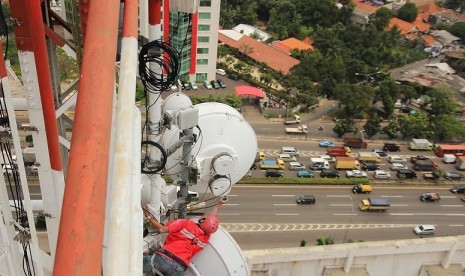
(305, 199)
(254, 166)
(221, 72)
(287, 157)
(329, 173)
(305, 174)
(380, 174)
(290, 150)
(248, 174)
(370, 166)
(391, 147)
(207, 85)
(193, 85)
(329, 158)
(429, 197)
(273, 173)
(233, 77)
(185, 85)
(221, 83)
(396, 166)
(397, 159)
(215, 85)
(406, 173)
(454, 176)
(413, 159)
(296, 166)
(424, 230)
(326, 143)
(380, 152)
(356, 173)
(458, 189)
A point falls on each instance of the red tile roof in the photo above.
(309, 41)
(429, 40)
(403, 26)
(294, 43)
(283, 48)
(260, 52)
(359, 4)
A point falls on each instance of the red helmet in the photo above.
(209, 224)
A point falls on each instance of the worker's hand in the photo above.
(147, 213)
(222, 201)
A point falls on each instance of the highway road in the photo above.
(261, 216)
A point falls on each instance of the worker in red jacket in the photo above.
(186, 238)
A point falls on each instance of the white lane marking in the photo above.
(394, 196)
(284, 195)
(286, 214)
(451, 205)
(338, 196)
(456, 225)
(230, 214)
(425, 214)
(399, 205)
(345, 205)
(231, 195)
(230, 204)
(335, 214)
(400, 214)
(284, 204)
(448, 197)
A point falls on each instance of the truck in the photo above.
(318, 164)
(460, 164)
(292, 121)
(302, 129)
(272, 164)
(354, 142)
(338, 151)
(369, 157)
(346, 163)
(424, 165)
(434, 175)
(375, 204)
(362, 188)
(420, 144)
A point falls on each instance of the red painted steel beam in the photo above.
(3, 72)
(130, 18)
(80, 240)
(154, 12)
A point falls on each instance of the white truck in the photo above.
(292, 121)
(318, 164)
(302, 129)
(420, 144)
(460, 164)
(369, 157)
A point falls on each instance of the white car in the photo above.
(356, 173)
(296, 166)
(396, 166)
(287, 157)
(380, 174)
(207, 85)
(424, 229)
(397, 159)
(328, 158)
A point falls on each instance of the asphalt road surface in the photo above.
(262, 216)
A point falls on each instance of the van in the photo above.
(221, 72)
(449, 159)
(305, 199)
(296, 166)
(290, 150)
(287, 158)
(318, 164)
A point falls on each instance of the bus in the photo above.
(457, 150)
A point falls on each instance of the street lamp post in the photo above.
(370, 75)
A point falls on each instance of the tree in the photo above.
(388, 92)
(448, 127)
(391, 130)
(345, 126)
(455, 4)
(372, 126)
(408, 12)
(356, 98)
(415, 126)
(380, 19)
(441, 101)
(458, 29)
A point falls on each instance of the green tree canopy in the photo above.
(448, 127)
(391, 129)
(408, 12)
(380, 19)
(442, 101)
(458, 29)
(372, 126)
(356, 98)
(415, 126)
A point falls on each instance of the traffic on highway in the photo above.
(253, 210)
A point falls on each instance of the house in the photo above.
(446, 38)
(403, 26)
(252, 31)
(290, 44)
(260, 52)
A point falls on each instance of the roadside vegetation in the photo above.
(350, 64)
